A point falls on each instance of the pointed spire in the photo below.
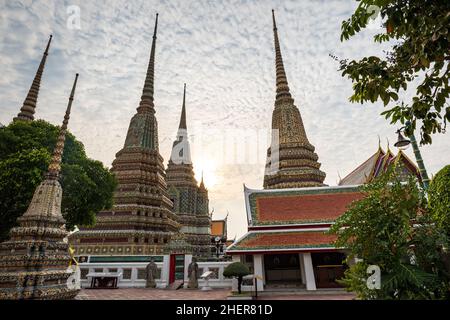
(29, 105)
(202, 183)
(183, 111)
(55, 165)
(283, 92)
(147, 99)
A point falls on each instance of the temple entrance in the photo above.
(282, 269)
(176, 270)
(328, 267)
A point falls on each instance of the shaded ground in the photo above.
(220, 294)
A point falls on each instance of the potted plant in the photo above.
(237, 270)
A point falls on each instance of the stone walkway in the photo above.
(220, 294)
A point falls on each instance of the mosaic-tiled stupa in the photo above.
(291, 160)
(190, 200)
(34, 262)
(141, 221)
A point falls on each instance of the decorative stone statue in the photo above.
(193, 274)
(152, 271)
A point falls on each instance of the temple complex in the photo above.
(29, 105)
(190, 200)
(141, 221)
(291, 160)
(34, 262)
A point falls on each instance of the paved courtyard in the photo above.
(220, 294)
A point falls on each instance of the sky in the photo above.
(224, 51)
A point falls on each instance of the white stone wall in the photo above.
(219, 281)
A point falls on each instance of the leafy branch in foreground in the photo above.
(419, 30)
(392, 228)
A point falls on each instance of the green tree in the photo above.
(419, 31)
(238, 270)
(25, 152)
(391, 228)
(439, 198)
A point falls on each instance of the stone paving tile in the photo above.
(183, 294)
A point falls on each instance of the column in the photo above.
(302, 268)
(258, 266)
(165, 271)
(309, 271)
(187, 262)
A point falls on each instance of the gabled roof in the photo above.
(286, 240)
(378, 163)
(365, 170)
(283, 207)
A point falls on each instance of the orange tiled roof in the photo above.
(300, 208)
(284, 240)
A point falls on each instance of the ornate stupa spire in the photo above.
(141, 221)
(283, 92)
(291, 160)
(191, 202)
(55, 164)
(34, 262)
(147, 98)
(181, 151)
(183, 112)
(29, 105)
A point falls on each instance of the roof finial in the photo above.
(202, 183)
(283, 92)
(55, 165)
(147, 99)
(29, 105)
(183, 111)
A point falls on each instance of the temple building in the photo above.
(219, 237)
(190, 200)
(377, 164)
(29, 105)
(34, 262)
(141, 221)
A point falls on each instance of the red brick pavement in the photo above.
(219, 294)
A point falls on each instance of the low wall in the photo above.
(134, 273)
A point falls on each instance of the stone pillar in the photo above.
(165, 271)
(302, 268)
(309, 271)
(258, 266)
(187, 262)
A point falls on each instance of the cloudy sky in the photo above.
(223, 50)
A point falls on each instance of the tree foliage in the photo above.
(439, 198)
(25, 152)
(391, 228)
(419, 31)
(238, 270)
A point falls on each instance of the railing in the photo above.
(217, 280)
(133, 273)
